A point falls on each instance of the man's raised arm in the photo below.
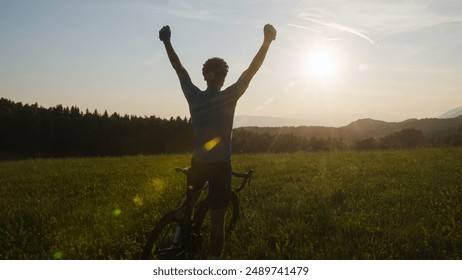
(164, 36)
(269, 35)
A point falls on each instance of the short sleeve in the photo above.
(188, 88)
(237, 89)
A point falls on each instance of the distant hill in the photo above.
(454, 113)
(264, 121)
(366, 128)
(332, 119)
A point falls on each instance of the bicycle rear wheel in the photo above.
(164, 241)
(232, 213)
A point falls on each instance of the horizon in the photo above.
(263, 121)
(389, 61)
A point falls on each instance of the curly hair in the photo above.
(216, 65)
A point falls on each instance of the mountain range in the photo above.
(443, 126)
(328, 119)
(454, 113)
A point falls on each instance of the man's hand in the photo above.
(165, 33)
(270, 32)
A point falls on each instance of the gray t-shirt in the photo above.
(212, 115)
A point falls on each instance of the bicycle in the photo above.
(179, 233)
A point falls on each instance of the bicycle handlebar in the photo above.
(246, 176)
(185, 170)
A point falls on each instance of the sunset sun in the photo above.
(320, 64)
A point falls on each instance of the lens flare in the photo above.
(116, 212)
(138, 201)
(158, 184)
(212, 143)
(57, 255)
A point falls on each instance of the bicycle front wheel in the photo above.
(232, 213)
(164, 241)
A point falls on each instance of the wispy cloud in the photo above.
(303, 27)
(333, 25)
(382, 16)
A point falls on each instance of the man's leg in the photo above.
(217, 238)
(195, 180)
(219, 192)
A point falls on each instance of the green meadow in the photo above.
(337, 205)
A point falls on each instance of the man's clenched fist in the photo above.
(270, 32)
(165, 33)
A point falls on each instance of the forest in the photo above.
(34, 131)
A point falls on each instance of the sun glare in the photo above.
(320, 64)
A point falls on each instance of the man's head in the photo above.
(214, 71)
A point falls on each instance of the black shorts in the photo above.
(219, 176)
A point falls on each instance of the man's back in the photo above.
(212, 115)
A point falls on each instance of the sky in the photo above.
(332, 62)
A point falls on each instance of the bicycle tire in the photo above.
(234, 202)
(159, 244)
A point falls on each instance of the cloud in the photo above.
(333, 25)
(380, 16)
(302, 27)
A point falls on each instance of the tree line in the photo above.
(249, 141)
(31, 130)
(34, 131)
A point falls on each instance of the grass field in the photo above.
(345, 205)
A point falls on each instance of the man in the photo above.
(212, 114)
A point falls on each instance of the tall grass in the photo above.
(342, 205)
